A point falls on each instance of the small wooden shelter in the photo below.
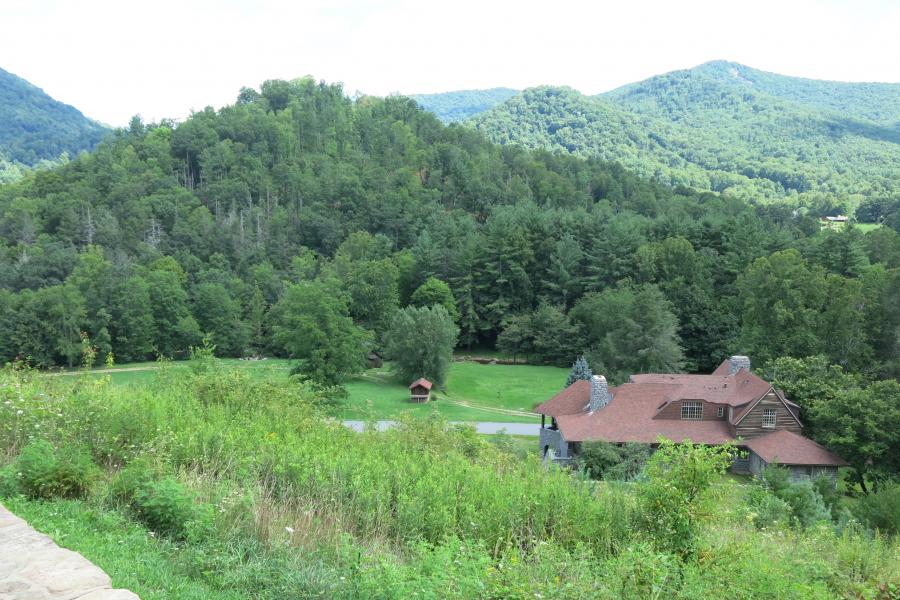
(420, 390)
(374, 361)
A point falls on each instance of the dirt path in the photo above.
(33, 567)
(493, 409)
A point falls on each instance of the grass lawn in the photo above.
(151, 567)
(474, 393)
(142, 372)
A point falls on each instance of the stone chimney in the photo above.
(736, 363)
(599, 392)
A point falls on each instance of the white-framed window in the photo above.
(692, 411)
(769, 417)
(720, 412)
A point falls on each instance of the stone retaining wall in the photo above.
(33, 567)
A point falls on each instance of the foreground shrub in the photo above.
(676, 495)
(807, 506)
(161, 503)
(881, 509)
(45, 472)
(767, 510)
(9, 482)
(165, 506)
(602, 460)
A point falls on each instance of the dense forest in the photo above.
(298, 208)
(452, 107)
(825, 146)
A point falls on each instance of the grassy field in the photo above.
(223, 484)
(868, 226)
(475, 392)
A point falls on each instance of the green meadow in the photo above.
(220, 484)
(475, 392)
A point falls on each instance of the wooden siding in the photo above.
(796, 472)
(673, 411)
(751, 425)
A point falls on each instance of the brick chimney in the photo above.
(599, 392)
(736, 363)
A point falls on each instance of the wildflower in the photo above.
(290, 530)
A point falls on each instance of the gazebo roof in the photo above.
(420, 382)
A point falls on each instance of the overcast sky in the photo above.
(113, 59)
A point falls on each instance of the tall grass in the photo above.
(424, 510)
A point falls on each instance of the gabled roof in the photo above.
(631, 414)
(629, 417)
(733, 390)
(573, 399)
(739, 415)
(421, 382)
(788, 448)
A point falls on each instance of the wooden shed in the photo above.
(420, 390)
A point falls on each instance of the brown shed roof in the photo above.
(421, 382)
(788, 448)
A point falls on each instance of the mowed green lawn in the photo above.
(143, 372)
(475, 392)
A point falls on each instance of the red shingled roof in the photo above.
(788, 448)
(421, 381)
(632, 414)
(723, 368)
(573, 399)
(734, 390)
(629, 418)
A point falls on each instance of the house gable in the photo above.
(751, 422)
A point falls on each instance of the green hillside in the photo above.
(877, 102)
(451, 107)
(756, 137)
(35, 128)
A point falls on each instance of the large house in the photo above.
(730, 405)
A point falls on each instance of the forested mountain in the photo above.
(451, 107)
(876, 102)
(35, 128)
(299, 209)
(724, 127)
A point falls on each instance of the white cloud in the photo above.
(112, 59)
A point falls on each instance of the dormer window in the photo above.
(770, 415)
(692, 411)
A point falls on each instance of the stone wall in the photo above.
(553, 439)
(33, 567)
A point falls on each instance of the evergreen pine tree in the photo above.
(580, 370)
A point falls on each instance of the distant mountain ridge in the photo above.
(452, 107)
(877, 102)
(725, 127)
(34, 127)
